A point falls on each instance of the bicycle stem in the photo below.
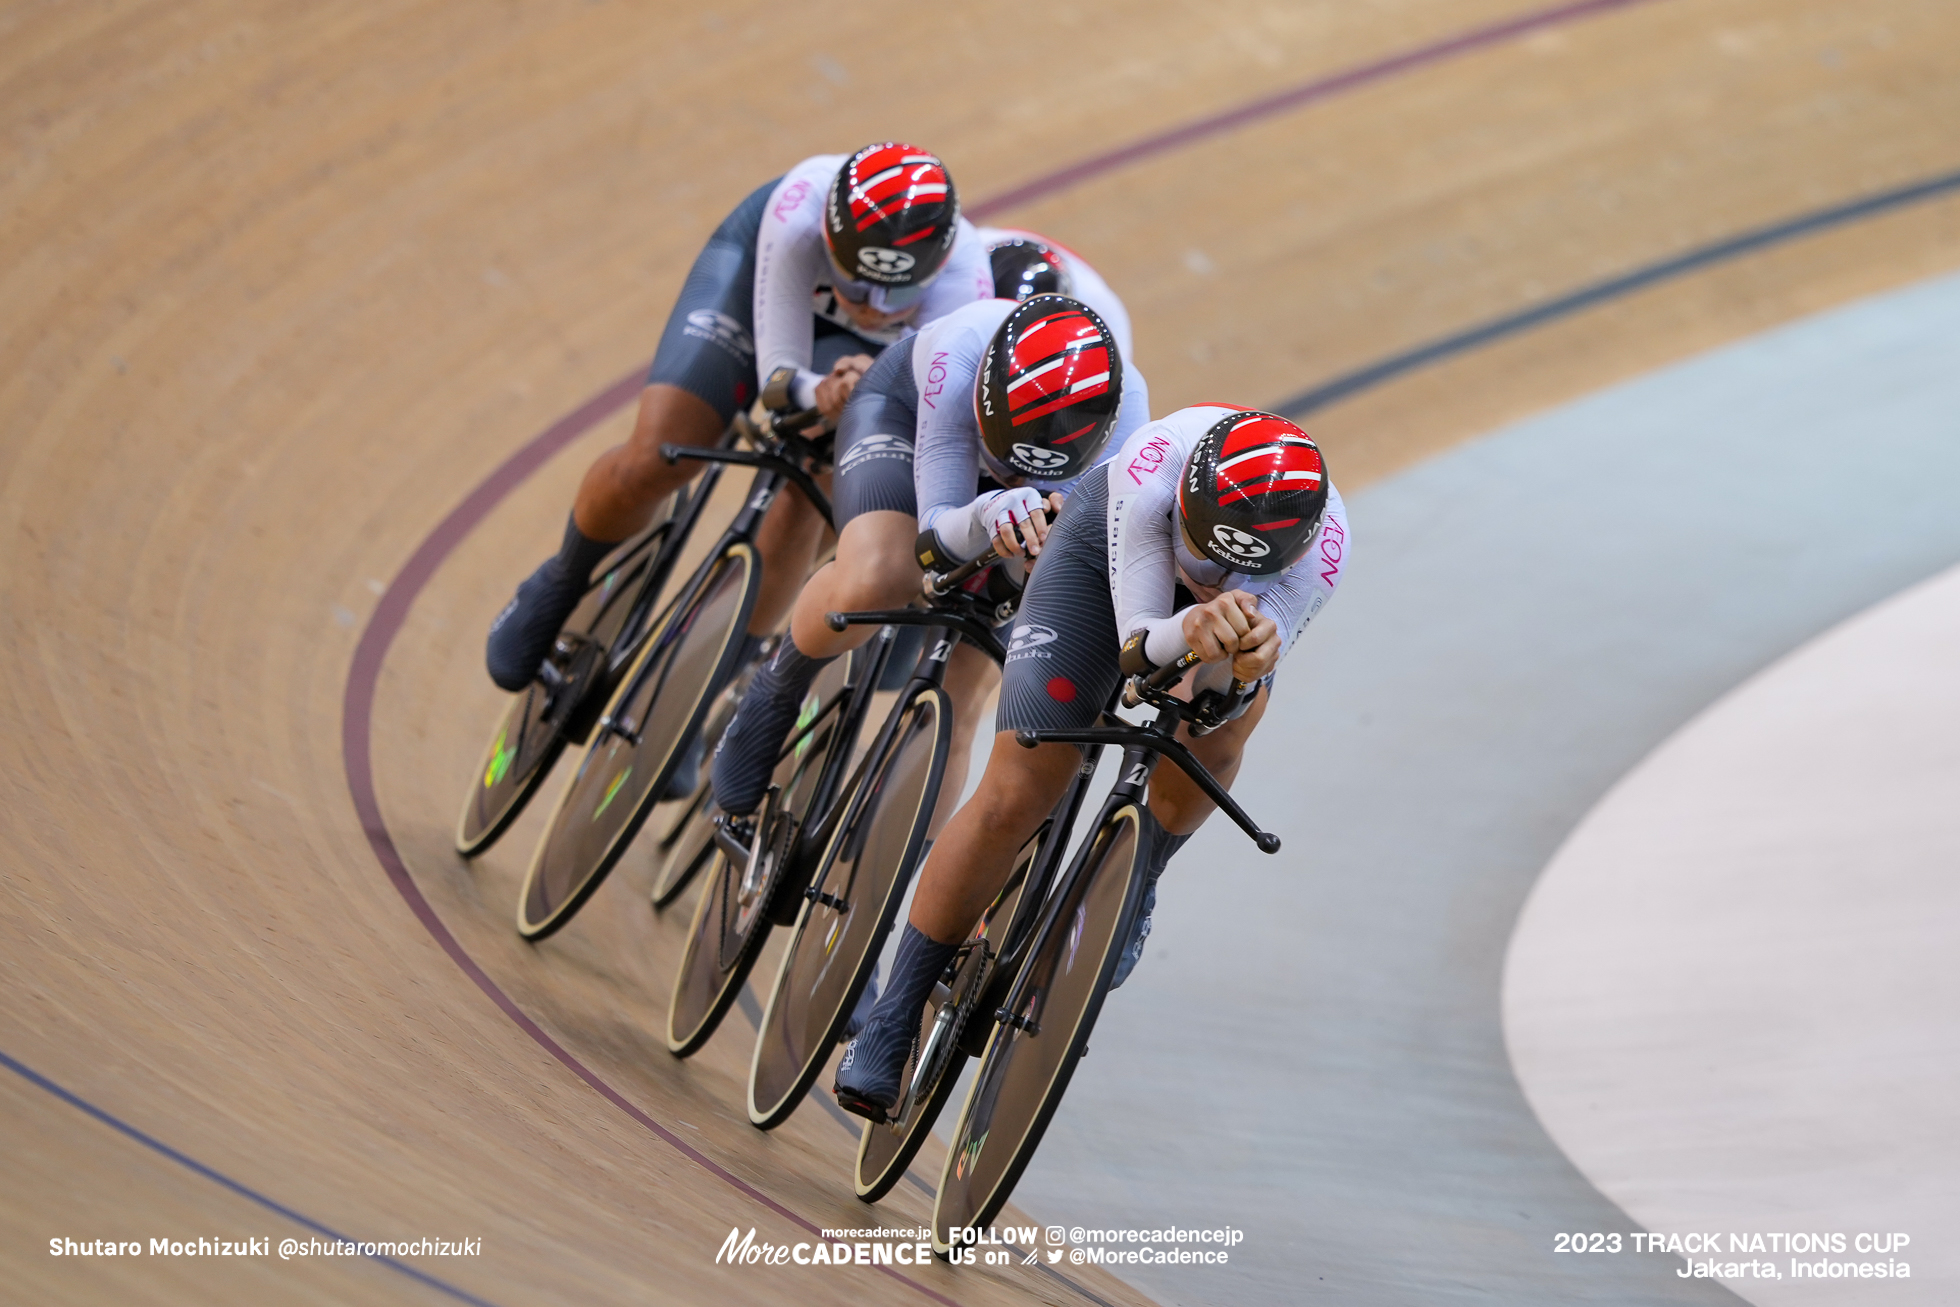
(938, 584)
(972, 629)
(782, 467)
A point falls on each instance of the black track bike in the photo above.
(560, 705)
(1038, 999)
(952, 1029)
(873, 844)
(659, 702)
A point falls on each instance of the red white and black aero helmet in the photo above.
(1048, 389)
(1253, 492)
(1024, 267)
(891, 215)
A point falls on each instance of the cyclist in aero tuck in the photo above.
(959, 439)
(1213, 530)
(817, 272)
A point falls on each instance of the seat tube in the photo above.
(762, 493)
(941, 641)
(1139, 761)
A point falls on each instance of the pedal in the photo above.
(728, 838)
(864, 1107)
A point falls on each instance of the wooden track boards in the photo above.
(283, 282)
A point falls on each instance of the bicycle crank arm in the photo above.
(736, 851)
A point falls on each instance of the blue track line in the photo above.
(1374, 374)
(35, 1078)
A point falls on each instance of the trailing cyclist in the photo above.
(1025, 264)
(1213, 530)
(816, 271)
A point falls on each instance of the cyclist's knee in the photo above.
(667, 415)
(1021, 785)
(867, 578)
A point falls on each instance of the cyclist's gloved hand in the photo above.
(834, 391)
(1231, 626)
(1017, 520)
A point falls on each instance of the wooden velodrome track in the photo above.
(283, 284)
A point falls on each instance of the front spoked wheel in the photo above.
(1034, 1050)
(738, 903)
(543, 717)
(648, 724)
(848, 910)
(952, 1012)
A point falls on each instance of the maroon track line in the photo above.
(1319, 89)
(391, 611)
(356, 719)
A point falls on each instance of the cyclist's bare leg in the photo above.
(973, 856)
(615, 501)
(627, 482)
(970, 677)
(874, 568)
(1179, 806)
(965, 870)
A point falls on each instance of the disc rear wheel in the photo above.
(647, 725)
(952, 1012)
(1032, 1054)
(849, 910)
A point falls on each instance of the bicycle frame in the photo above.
(958, 615)
(1143, 747)
(777, 461)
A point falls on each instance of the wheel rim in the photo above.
(515, 763)
(825, 965)
(701, 983)
(1024, 1072)
(884, 1151)
(612, 791)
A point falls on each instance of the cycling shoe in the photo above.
(873, 1064)
(866, 1001)
(523, 633)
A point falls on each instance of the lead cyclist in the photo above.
(1214, 530)
(816, 271)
